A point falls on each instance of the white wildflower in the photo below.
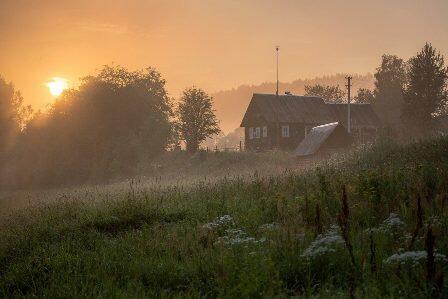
(219, 222)
(325, 243)
(269, 226)
(237, 237)
(392, 223)
(413, 258)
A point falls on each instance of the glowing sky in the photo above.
(212, 44)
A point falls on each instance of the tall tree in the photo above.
(390, 78)
(426, 91)
(13, 113)
(330, 93)
(364, 96)
(196, 118)
(106, 127)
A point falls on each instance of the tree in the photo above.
(331, 94)
(364, 96)
(13, 113)
(390, 78)
(105, 128)
(196, 118)
(426, 92)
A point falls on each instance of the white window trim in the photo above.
(257, 132)
(265, 131)
(251, 133)
(285, 131)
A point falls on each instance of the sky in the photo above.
(215, 45)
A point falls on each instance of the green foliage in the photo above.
(364, 96)
(390, 79)
(98, 131)
(426, 92)
(196, 118)
(331, 94)
(153, 241)
(13, 115)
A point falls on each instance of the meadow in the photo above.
(373, 224)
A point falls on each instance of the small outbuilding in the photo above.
(322, 142)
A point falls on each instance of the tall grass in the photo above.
(281, 235)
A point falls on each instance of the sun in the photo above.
(57, 85)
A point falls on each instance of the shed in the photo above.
(322, 142)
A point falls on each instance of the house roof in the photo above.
(307, 110)
(314, 139)
(288, 109)
(362, 115)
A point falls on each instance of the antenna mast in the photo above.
(349, 85)
(276, 49)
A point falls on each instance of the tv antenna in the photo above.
(276, 51)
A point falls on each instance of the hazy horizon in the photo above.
(215, 45)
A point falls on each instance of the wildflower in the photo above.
(219, 222)
(269, 226)
(325, 243)
(392, 223)
(413, 258)
(237, 237)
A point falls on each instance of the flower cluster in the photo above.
(325, 243)
(237, 237)
(269, 226)
(220, 222)
(413, 258)
(392, 223)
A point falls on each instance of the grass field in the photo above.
(256, 235)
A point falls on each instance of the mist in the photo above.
(236, 149)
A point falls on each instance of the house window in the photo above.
(265, 131)
(251, 133)
(307, 130)
(285, 131)
(257, 132)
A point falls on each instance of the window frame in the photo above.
(257, 132)
(285, 131)
(251, 133)
(265, 131)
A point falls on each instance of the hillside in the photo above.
(231, 104)
(374, 225)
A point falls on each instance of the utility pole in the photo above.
(276, 93)
(276, 49)
(349, 84)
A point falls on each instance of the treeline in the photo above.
(106, 128)
(408, 96)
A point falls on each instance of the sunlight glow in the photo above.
(57, 85)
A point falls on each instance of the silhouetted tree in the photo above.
(426, 91)
(331, 94)
(13, 113)
(100, 130)
(390, 78)
(196, 118)
(364, 96)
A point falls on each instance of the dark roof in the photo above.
(315, 138)
(289, 109)
(307, 110)
(362, 115)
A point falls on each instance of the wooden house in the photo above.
(283, 121)
(321, 143)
